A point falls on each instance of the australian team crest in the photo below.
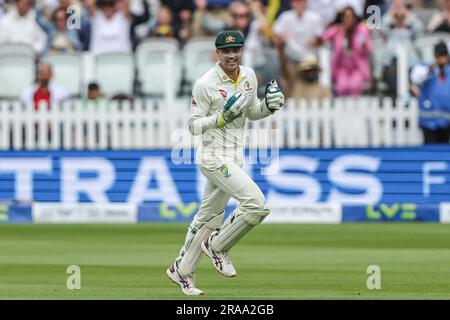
(230, 39)
(224, 171)
(247, 86)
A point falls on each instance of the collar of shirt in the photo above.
(29, 16)
(223, 76)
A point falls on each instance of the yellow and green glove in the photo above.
(232, 109)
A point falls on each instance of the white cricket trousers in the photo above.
(227, 181)
(222, 185)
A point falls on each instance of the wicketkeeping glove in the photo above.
(232, 109)
(274, 97)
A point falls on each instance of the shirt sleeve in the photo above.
(329, 34)
(3, 30)
(40, 39)
(435, 21)
(199, 120)
(257, 109)
(419, 74)
(318, 27)
(278, 26)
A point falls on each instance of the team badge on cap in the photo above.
(230, 39)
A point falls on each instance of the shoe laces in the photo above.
(191, 281)
(226, 257)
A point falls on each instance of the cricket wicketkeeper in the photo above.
(222, 100)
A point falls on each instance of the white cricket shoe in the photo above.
(187, 284)
(220, 260)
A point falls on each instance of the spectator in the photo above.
(210, 17)
(274, 8)
(401, 27)
(241, 17)
(110, 26)
(382, 4)
(94, 92)
(352, 46)
(139, 20)
(261, 21)
(441, 21)
(326, 9)
(163, 26)
(184, 27)
(46, 11)
(2, 9)
(94, 98)
(296, 28)
(356, 5)
(305, 80)
(240, 12)
(182, 11)
(19, 26)
(44, 91)
(260, 52)
(59, 37)
(433, 84)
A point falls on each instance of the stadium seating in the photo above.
(67, 70)
(198, 58)
(325, 56)
(159, 68)
(426, 45)
(115, 73)
(17, 69)
(425, 14)
(378, 46)
(17, 48)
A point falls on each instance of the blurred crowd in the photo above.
(280, 31)
(283, 36)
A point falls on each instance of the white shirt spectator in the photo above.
(2, 11)
(110, 35)
(357, 5)
(325, 9)
(57, 93)
(299, 31)
(419, 73)
(25, 30)
(254, 46)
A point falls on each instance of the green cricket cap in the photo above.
(229, 38)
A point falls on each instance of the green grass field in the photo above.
(273, 262)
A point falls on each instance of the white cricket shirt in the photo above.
(221, 145)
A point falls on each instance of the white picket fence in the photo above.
(159, 124)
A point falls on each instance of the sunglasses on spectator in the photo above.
(108, 4)
(240, 15)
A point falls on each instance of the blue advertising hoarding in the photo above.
(378, 184)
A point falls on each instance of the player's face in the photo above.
(230, 58)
